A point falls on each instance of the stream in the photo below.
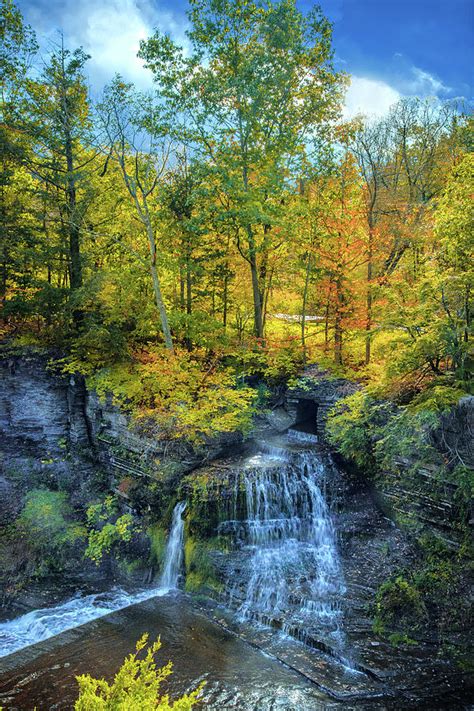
(237, 675)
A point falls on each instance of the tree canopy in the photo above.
(228, 224)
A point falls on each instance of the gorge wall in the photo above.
(54, 433)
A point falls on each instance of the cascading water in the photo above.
(293, 575)
(174, 550)
(42, 624)
(302, 437)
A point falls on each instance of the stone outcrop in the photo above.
(318, 387)
(427, 495)
(129, 451)
(53, 424)
(43, 425)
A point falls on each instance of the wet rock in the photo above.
(10, 501)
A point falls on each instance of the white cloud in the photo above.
(374, 97)
(425, 84)
(415, 81)
(111, 36)
(371, 97)
(109, 30)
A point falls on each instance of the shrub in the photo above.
(178, 395)
(463, 476)
(407, 435)
(398, 603)
(437, 398)
(136, 686)
(353, 426)
(374, 433)
(107, 530)
(275, 364)
(97, 346)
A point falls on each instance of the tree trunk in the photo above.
(326, 323)
(252, 259)
(338, 332)
(157, 289)
(75, 266)
(368, 320)
(73, 227)
(224, 299)
(257, 298)
(467, 315)
(189, 295)
(181, 288)
(303, 307)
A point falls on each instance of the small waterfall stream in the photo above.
(42, 624)
(174, 550)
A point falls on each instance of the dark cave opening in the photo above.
(306, 416)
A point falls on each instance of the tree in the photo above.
(454, 228)
(431, 316)
(402, 160)
(371, 150)
(420, 154)
(136, 136)
(55, 118)
(18, 48)
(342, 249)
(258, 84)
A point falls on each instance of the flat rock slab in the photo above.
(237, 675)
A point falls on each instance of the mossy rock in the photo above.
(201, 574)
(130, 567)
(214, 495)
(157, 535)
(399, 607)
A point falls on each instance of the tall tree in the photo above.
(136, 136)
(370, 147)
(342, 249)
(56, 121)
(18, 48)
(259, 82)
(418, 133)
(402, 159)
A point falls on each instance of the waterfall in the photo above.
(174, 550)
(293, 577)
(301, 437)
(39, 625)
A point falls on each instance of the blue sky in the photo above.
(392, 48)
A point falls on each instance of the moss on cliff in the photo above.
(430, 600)
(201, 573)
(157, 535)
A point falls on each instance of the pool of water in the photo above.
(237, 675)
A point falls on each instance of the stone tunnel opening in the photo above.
(306, 416)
